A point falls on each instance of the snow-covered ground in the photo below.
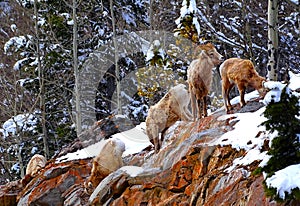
(247, 134)
(135, 140)
(285, 180)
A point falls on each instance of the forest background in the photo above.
(46, 45)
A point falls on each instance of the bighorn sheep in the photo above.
(171, 108)
(107, 161)
(200, 77)
(35, 164)
(242, 73)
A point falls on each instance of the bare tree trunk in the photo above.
(19, 152)
(76, 71)
(248, 40)
(119, 106)
(17, 136)
(151, 15)
(273, 40)
(41, 84)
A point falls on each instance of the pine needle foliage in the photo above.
(283, 118)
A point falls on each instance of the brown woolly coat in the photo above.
(107, 161)
(200, 77)
(240, 72)
(171, 108)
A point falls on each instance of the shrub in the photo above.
(285, 147)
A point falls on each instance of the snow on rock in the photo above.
(276, 88)
(244, 134)
(275, 91)
(274, 85)
(88, 152)
(285, 180)
(248, 97)
(294, 81)
(133, 171)
(135, 140)
(251, 156)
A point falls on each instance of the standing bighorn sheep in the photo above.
(242, 73)
(200, 77)
(171, 108)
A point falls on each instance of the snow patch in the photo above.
(248, 97)
(275, 91)
(248, 134)
(285, 180)
(88, 152)
(133, 171)
(294, 81)
(14, 28)
(135, 140)
(186, 10)
(154, 47)
(245, 131)
(251, 156)
(18, 42)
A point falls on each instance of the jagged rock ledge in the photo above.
(187, 171)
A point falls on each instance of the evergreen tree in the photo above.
(285, 148)
(162, 72)
(187, 24)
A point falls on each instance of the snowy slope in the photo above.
(135, 140)
(247, 134)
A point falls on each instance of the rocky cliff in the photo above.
(188, 170)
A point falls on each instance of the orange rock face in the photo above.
(185, 172)
(58, 184)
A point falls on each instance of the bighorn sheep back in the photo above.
(171, 108)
